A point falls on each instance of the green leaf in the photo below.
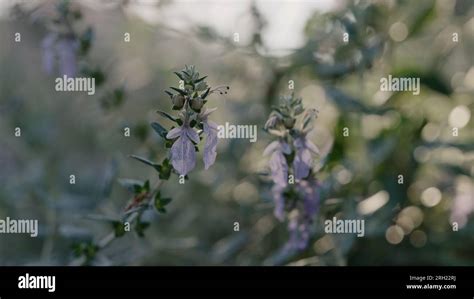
(146, 186)
(140, 228)
(159, 129)
(99, 77)
(206, 93)
(167, 115)
(135, 186)
(130, 184)
(85, 40)
(201, 86)
(160, 203)
(421, 17)
(200, 79)
(306, 122)
(86, 249)
(119, 229)
(166, 200)
(308, 119)
(141, 131)
(77, 249)
(186, 73)
(119, 95)
(143, 160)
(113, 99)
(182, 92)
(164, 170)
(137, 189)
(180, 76)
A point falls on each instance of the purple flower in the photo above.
(299, 234)
(210, 130)
(67, 53)
(278, 165)
(47, 46)
(304, 156)
(310, 194)
(279, 201)
(300, 225)
(62, 49)
(302, 216)
(183, 154)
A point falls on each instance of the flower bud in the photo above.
(197, 103)
(299, 109)
(289, 122)
(271, 122)
(178, 101)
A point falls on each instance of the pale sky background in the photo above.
(286, 18)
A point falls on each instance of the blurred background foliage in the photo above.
(390, 133)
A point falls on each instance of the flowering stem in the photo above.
(182, 141)
(112, 236)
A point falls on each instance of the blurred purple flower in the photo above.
(310, 194)
(183, 154)
(299, 234)
(47, 46)
(278, 165)
(304, 156)
(300, 225)
(279, 201)
(67, 52)
(210, 130)
(62, 49)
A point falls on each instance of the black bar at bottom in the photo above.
(223, 282)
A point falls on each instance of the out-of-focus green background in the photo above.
(390, 134)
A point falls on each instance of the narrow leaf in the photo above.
(167, 115)
(206, 93)
(200, 79)
(165, 201)
(179, 75)
(182, 92)
(130, 184)
(143, 160)
(159, 129)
